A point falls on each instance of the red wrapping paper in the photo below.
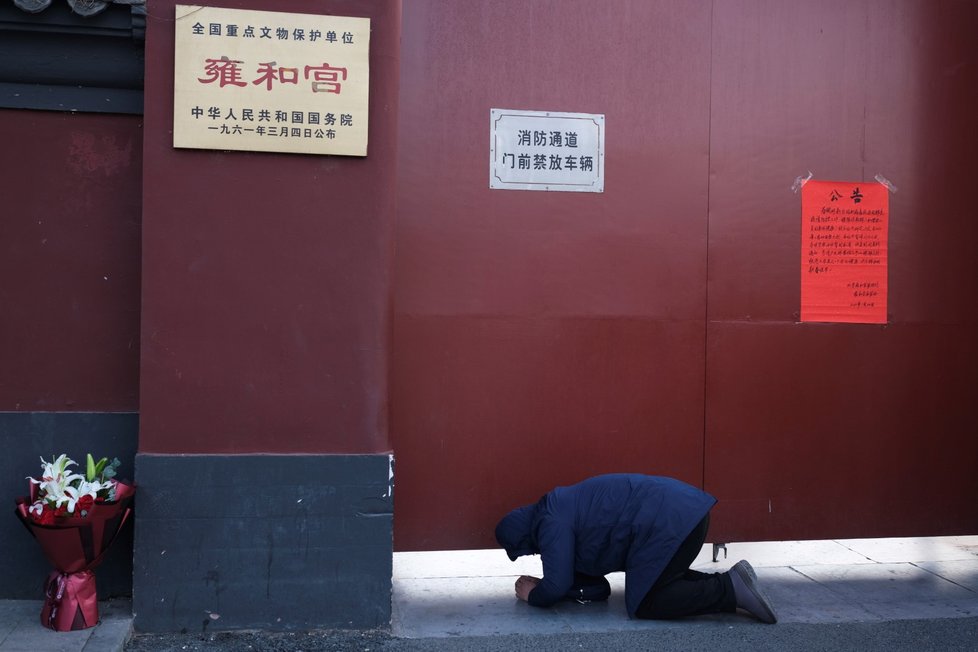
(74, 546)
(70, 601)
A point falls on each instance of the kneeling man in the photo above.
(648, 526)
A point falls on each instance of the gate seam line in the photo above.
(706, 288)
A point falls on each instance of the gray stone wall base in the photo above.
(270, 542)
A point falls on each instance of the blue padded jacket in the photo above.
(618, 522)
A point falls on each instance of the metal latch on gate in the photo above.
(717, 547)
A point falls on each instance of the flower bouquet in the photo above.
(75, 518)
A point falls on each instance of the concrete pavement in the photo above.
(21, 630)
(470, 593)
(844, 594)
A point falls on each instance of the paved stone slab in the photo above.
(494, 562)
(463, 563)
(915, 549)
(799, 599)
(14, 613)
(35, 638)
(21, 629)
(436, 607)
(782, 553)
(445, 607)
(809, 582)
(114, 629)
(896, 591)
(962, 572)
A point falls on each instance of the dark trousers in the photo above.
(680, 591)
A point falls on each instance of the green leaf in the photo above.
(90, 468)
(110, 470)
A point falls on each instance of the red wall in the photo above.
(538, 337)
(266, 277)
(543, 337)
(69, 237)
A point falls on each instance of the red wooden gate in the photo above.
(541, 337)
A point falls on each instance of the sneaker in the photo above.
(749, 595)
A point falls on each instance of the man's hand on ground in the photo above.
(524, 585)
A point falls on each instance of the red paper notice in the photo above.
(843, 252)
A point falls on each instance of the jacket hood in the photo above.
(515, 532)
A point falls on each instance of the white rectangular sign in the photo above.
(546, 150)
(270, 81)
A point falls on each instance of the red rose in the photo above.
(84, 504)
(61, 511)
(46, 517)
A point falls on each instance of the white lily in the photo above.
(56, 473)
(91, 488)
(71, 494)
(57, 486)
(57, 468)
(55, 494)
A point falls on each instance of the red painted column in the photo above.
(264, 353)
(265, 298)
